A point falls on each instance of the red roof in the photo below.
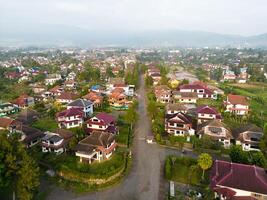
(192, 86)
(239, 176)
(208, 110)
(21, 100)
(225, 192)
(237, 99)
(105, 117)
(71, 112)
(67, 95)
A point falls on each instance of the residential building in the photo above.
(235, 181)
(24, 101)
(185, 97)
(179, 124)
(163, 94)
(94, 97)
(216, 131)
(66, 97)
(237, 104)
(201, 90)
(70, 118)
(56, 141)
(248, 136)
(85, 105)
(96, 147)
(173, 108)
(51, 79)
(101, 122)
(8, 109)
(207, 113)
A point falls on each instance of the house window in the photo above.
(95, 120)
(210, 115)
(100, 126)
(171, 124)
(90, 125)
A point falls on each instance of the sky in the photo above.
(242, 17)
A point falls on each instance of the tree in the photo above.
(205, 162)
(257, 158)
(131, 116)
(17, 168)
(263, 142)
(152, 109)
(238, 155)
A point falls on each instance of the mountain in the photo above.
(58, 35)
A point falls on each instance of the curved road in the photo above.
(145, 181)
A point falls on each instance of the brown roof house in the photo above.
(96, 147)
(237, 104)
(217, 131)
(248, 137)
(66, 97)
(179, 124)
(173, 108)
(235, 181)
(56, 141)
(163, 94)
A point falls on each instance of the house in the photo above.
(173, 108)
(94, 97)
(101, 122)
(235, 181)
(216, 131)
(206, 113)
(28, 116)
(66, 97)
(28, 135)
(5, 123)
(97, 89)
(163, 94)
(70, 84)
(118, 100)
(83, 104)
(96, 147)
(56, 91)
(156, 78)
(201, 90)
(185, 97)
(56, 141)
(114, 83)
(70, 118)
(8, 109)
(24, 101)
(179, 124)
(51, 79)
(229, 75)
(236, 104)
(248, 137)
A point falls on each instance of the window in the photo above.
(100, 126)
(171, 124)
(95, 120)
(90, 125)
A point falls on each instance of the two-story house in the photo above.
(216, 131)
(248, 137)
(235, 181)
(101, 122)
(66, 97)
(85, 105)
(96, 147)
(163, 94)
(237, 104)
(201, 90)
(173, 108)
(94, 97)
(179, 124)
(207, 113)
(51, 79)
(56, 141)
(70, 118)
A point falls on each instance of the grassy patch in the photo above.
(46, 124)
(122, 137)
(185, 170)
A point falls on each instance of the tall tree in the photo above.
(131, 116)
(17, 168)
(205, 162)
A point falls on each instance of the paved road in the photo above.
(145, 181)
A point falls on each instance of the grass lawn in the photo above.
(257, 94)
(184, 172)
(104, 169)
(122, 137)
(46, 124)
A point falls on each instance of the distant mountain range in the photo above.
(47, 35)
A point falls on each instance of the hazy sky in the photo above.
(244, 17)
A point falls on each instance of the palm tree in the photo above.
(205, 162)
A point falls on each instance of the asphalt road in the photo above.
(145, 181)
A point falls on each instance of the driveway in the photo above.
(145, 181)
